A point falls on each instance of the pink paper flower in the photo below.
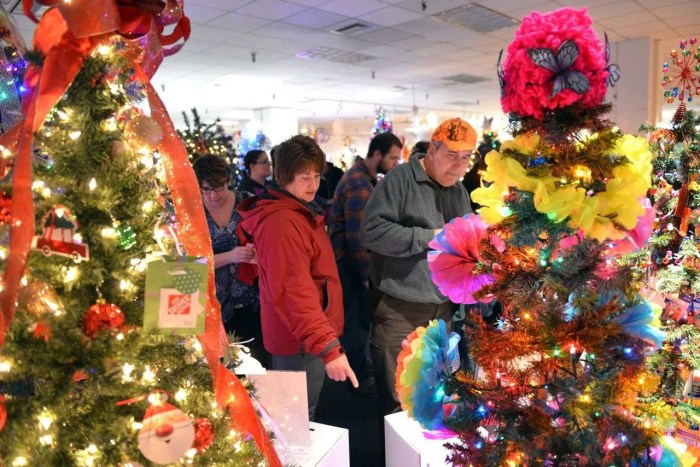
(454, 261)
(638, 236)
(529, 86)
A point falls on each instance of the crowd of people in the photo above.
(325, 272)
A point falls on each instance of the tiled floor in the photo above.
(341, 406)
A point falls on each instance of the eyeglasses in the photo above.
(207, 190)
(267, 162)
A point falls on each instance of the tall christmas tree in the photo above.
(561, 377)
(88, 377)
(670, 264)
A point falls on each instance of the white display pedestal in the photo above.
(330, 447)
(406, 446)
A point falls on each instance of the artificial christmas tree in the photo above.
(83, 383)
(561, 377)
(669, 265)
(207, 138)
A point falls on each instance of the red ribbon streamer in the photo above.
(66, 35)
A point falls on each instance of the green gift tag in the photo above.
(176, 292)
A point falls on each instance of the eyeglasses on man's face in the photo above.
(206, 190)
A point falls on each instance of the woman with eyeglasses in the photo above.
(234, 258)
(257, 168)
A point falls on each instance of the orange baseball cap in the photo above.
(456, 134)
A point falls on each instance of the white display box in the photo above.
(406, 446)
(330, 447)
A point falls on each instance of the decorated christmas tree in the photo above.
(381, 124)
(561, 378)
(207, 138)
(670, 264)
(111, 347)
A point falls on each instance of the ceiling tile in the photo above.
(386, 36)
(236, 22)
(255, 40)
(309, 2)
(421, 26)
(384, 51)
(391, 16)
(432, 6)
(413, 43)
(437, 48)
(211, 33)
(197, 45)
(612, 10)
(640, 17)
(229, 5)
(685, 20)
(288, 32)
(315, 19)
(201, 14)
(352, 8)
(271, 9)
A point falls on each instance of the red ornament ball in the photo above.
(102, 316)
(203, 434)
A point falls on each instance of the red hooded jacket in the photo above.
(301, 301)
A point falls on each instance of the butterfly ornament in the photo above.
(613, 69)
(560, 64)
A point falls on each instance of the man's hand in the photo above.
(339, 369)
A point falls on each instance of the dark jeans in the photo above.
(357, 322)
(393, 320)
(245, 324)
(315, 374)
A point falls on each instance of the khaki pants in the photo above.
(393, 320)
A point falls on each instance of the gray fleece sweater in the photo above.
(400, 218)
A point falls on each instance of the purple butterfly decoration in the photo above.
(613, 69)
(560, 64)
(501, 74)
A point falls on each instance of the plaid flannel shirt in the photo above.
(348, 208)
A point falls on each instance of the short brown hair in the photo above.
(297, 155)
(211, 169)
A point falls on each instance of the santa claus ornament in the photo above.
(167, 432)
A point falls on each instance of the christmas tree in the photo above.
(381, 124)
(84, 381)
(202, 138)
(562, 377)
(670, 263)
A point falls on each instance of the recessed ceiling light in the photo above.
(477, 18)
(334, 55)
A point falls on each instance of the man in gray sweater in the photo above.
(404, 212)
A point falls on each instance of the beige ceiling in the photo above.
(414, 52)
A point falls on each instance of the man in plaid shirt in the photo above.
(348, 208)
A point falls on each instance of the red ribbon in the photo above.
(66, 35)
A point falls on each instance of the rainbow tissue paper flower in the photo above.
(428, 358)
(637, 318)
(456, 256)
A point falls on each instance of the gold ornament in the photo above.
(38, 297)
(143, 133)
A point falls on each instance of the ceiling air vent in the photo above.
(352, 29)
(476, 18)
(465, 78)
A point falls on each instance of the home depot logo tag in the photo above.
(179, 304)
